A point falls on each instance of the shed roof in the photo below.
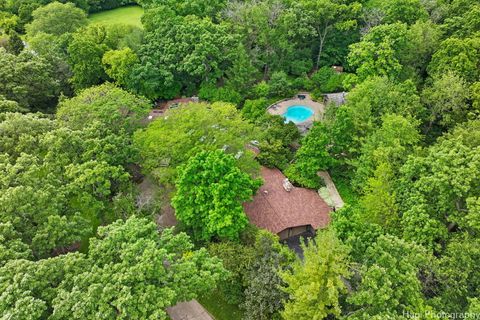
(275, 209)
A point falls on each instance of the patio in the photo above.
(302, 99)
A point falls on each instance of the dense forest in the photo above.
(80, 237)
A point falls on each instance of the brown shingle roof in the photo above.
(275, 209)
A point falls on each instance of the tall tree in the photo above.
(379, 51)
(446, 99)
(315, 284)
(184, 131)
(57, 18)
(324, 16)
(312, 157)
(389, 285)
(210, 192)
(263, 295)
(28, 79)
(130, 271)
(460, 56)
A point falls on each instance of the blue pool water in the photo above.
(297, 114)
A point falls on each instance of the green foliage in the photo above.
(29, 289)
(237, 258)
(326, 80)
(88, 46)
(278, 142)
(261, 89)
(446, 99)
(181, 51)
(460, 56)
(325, 16)
(312, 157)
(379, 53)
(10, 106)
(116, 109)
(315, 284)
(28, 80)
(186, 130)
(458, 272)
(440, 181)
(56, 18)
(210, 192)
(389, 284)
(211, 93)
(378, 203)
(61, 175)
(118, 64)
(119, 278)
(255, 110)
(11, 245)
(263, 295)
(352, 229)
(279, 85)
(390, 145)
(366, 104)
(406, 11)
(127, 263)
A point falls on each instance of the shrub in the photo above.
(280, 86)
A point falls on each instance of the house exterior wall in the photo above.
(294, 231)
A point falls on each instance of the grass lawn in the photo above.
(128, 15)
(217, 306)
(345, 189)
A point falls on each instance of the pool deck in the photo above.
(280, 107)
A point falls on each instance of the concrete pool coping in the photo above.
(280, 107)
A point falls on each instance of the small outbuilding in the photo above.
(286, 210)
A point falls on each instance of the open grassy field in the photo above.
(128, 15)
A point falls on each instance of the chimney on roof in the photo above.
(287, 185)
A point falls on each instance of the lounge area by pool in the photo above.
(297, 114)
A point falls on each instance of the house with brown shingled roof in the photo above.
(286, 213)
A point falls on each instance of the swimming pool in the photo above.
(297, 114)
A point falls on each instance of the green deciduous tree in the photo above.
(118, 64)
(390, 144)
(210, 192)
(56, 18)
(325, 16)
(182, 52)
(130, 271)
(446, 99)
(389, 284)
(460, 56)
(312, 157)
(378, 202)
(366, 104)
(263, 294)
(315, 284)
(28, 79)
(132, 263)
(458, 273)
(184, 131)
(379, 52)
(438, 183)
(88, 45)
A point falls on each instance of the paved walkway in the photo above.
(190, 310)
(332, 190)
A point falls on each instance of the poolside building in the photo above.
(286, 210)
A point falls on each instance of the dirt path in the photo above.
(190, 310)
(332, 190)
